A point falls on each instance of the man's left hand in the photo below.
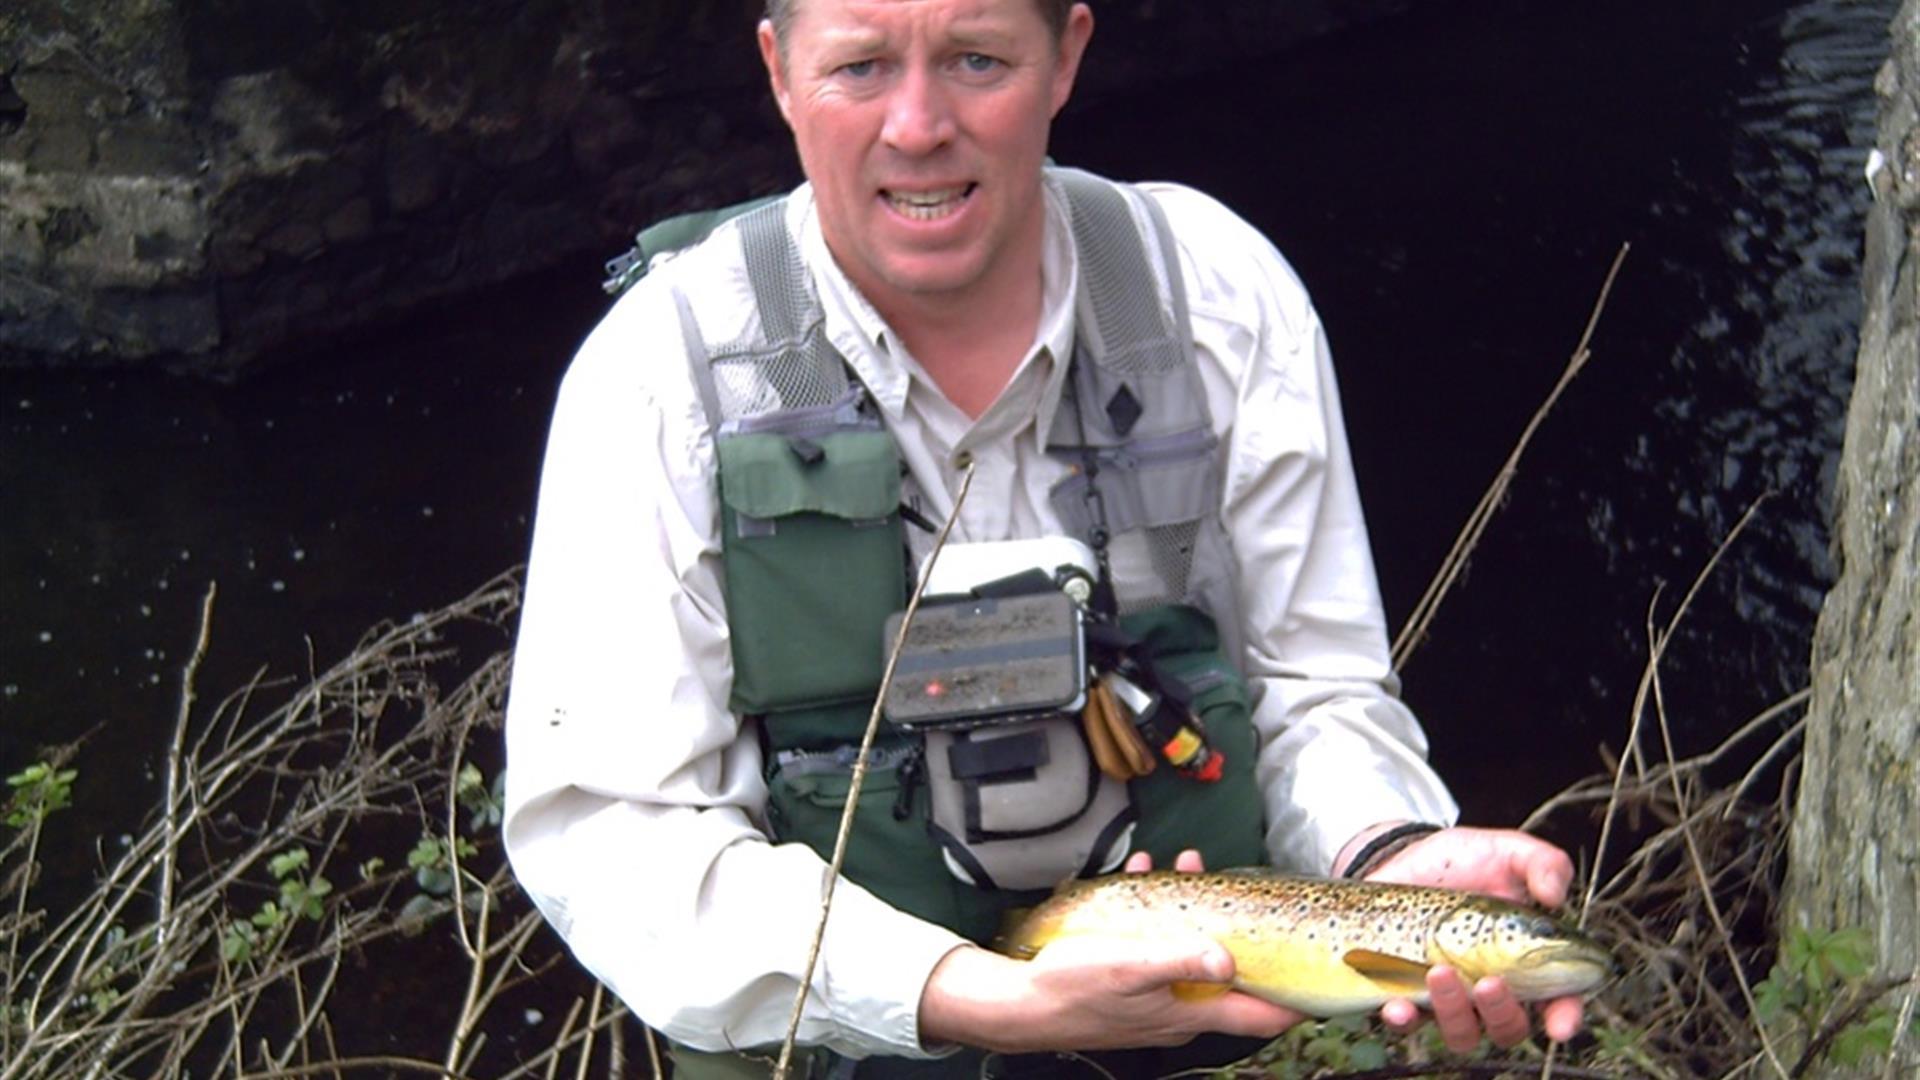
(1505, 863)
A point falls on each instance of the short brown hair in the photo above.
(780, 13)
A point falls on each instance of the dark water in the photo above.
(1452, 187)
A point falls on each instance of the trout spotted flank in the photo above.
(1327, 947)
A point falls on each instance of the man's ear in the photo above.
(776, 67)
(1073, 45)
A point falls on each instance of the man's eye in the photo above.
(859, 69)
(979, 63)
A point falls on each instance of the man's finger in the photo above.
(1244, 1014)
(1549, 873)
(1503, 1017)
(1401, 1016)
(1453, 1011)
(1561, 1017)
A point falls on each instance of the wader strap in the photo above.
(774, 269)
(1176, 281)
(1122, 322)
(791, 354)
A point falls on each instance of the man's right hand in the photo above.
(1090, 993)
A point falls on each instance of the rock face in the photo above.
(1856, 833)
(194, 182)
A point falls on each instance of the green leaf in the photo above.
(434, 880)
(237, 944)
(269, 917)
(1869, 1038)
(1368, 1054)
(1770, 997)
(1797, 952)
(416, 913)
(1848, 953)
(287, 862)
(484, 803)
(29, 775)
(427, 853)
(38, 790)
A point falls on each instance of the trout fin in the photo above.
(1197, 991)
(1394, 974)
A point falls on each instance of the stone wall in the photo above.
(1855, 848)
(192, 183)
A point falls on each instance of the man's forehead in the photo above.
(879, 18)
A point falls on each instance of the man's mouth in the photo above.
(928, 205)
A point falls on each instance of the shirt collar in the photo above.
(870, 346)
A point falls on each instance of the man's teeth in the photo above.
(926, 205)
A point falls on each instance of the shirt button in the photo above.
(963, 460)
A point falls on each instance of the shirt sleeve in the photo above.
(635, 806)
(1339, 750)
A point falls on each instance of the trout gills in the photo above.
(1325, 947)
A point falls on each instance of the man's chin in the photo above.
(930, 278)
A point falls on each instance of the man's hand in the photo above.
(1089, 993)
(1513, 866)
(1092, 993)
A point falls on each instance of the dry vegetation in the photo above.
(320, 893)
(429, 966)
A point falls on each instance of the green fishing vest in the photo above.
(815, 557)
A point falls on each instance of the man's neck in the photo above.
(972, 348)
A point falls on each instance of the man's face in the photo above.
(922, 125)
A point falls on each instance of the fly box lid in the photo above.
(981, 660)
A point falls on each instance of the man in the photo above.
(938, 254)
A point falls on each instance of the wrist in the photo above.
(971, 998)
(1373, 847)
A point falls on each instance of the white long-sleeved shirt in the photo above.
(635, 806)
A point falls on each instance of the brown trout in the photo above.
(1327, 947)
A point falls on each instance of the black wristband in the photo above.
(1387, 842)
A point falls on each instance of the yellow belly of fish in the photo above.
(1322, 980)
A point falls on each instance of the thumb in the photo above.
(1193, 958)
(1549, 874)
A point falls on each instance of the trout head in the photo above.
(1537, 955)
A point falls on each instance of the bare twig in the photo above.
(163, 925)
(1414, 630)
(859, 777)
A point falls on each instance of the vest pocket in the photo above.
(814, 562)
(889, 852)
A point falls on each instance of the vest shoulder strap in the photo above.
(667, 237)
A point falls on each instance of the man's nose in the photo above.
(919, 113)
